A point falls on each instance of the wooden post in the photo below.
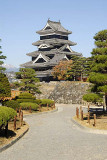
(94, 120)
(54, 104)
(40, 107)
(77, 112)
(14, 123)
(47, 107)
(89, 117)
(30, 110)
(81, 112)
(82, 115)
(21, 118)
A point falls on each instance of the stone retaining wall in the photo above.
(64, 92)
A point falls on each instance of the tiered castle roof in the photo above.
(53, 47)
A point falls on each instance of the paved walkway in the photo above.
(54, 137)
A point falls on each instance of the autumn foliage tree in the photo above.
(60, 70)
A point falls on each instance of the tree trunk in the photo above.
(105, 101)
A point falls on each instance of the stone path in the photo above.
(54, 137)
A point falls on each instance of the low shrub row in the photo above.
(44, 102)
(26, 95)
(26, 105)
(27, 99)
(6, 114)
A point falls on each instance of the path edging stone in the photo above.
(56, 109)
(14, 141)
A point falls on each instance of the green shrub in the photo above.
(25, 100)
(44, 102)
(92, 97)
(6, 114)
(26, 105)
(26, 95)
(38, 101)
(12, 104)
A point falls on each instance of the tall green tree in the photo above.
(29, 82)
(5, 90)
(4, 83)
(80, 67)
(1, 60)
(98, 74)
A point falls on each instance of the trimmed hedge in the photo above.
(44, 102)
(92, 97)
(26, 105)
(38, 101)
(25, 100)
(12, 104)
(6, 114)
(25, 97)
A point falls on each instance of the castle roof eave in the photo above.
(54, 41)
(54, 27)
(36, 53)
(53, 32)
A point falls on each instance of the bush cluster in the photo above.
(6, 114)
(92, 97)
(26, 105)
(12, 104)
(25, 97)
(44, 102)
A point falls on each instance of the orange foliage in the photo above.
(60, 70)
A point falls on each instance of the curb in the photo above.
(56, 109)
(78, 124)
(14, 141)
(89, 130)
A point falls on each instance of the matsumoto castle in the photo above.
(53, 47)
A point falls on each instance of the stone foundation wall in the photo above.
(64, 92)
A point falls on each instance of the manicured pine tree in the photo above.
(4, 83)
(1, 62)
(29, 81)
(99, 67)
(80, 67)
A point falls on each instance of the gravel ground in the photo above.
(54, 136)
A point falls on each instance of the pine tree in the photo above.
(80, 68)
(4, 83)
(29, 82)
(5, 90)
(99, 67)
(1, 62)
